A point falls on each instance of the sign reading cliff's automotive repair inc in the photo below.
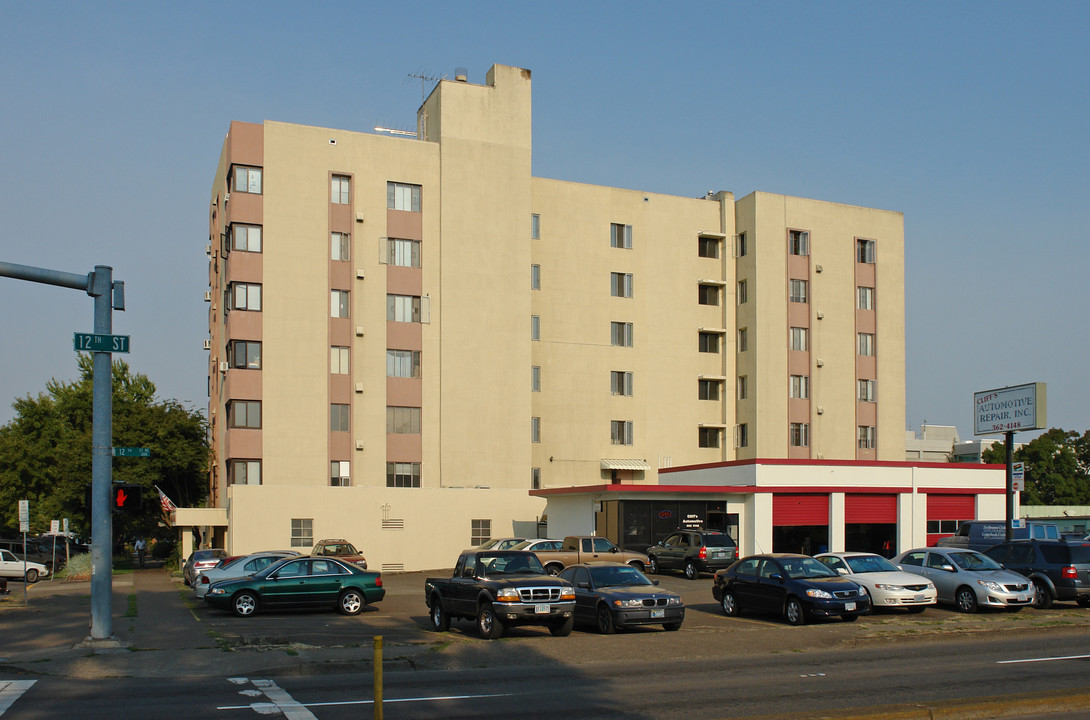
(1009, 409)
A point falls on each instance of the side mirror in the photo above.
(842, 571)
(654, 581)
(584, 585)
(900, 567)
(614, 549)
(776, 576)
(949, 568)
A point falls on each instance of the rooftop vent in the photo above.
(461, 75)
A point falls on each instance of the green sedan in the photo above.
(298, 581)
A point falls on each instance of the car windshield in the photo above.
(869, 564)
(806, 567)
(209, 554)
(718, 541)
(617, 576)
(974, 561)
(509, 563)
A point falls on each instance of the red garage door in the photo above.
(800, 510)
(862, 508)
(943, 512)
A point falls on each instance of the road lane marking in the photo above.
(292, 708)
(11, 690)
(255, 706)
(1042, 659)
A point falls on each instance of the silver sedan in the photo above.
(968, 579)
(889, 586)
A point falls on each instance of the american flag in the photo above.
(165, 502)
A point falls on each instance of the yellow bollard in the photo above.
(378, 676)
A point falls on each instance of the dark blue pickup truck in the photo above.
(498, 589)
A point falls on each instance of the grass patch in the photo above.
(131, 611)
(291, 653)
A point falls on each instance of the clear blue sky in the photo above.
(970, 118)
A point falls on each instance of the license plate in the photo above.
(658, 613)
(719, 554)
(921, 598)
(849, 606)
(542, 609)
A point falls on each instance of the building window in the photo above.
(798, 242)
(244, 413)
(246, 238)
(743, 339)
(620, 284)
(620, 236)
(535, 226)
(740, 248)
(403, 253)
(708, 389)
(402, 308)
(338, 303)
(799, 435)
(406, 475)
(800, 387)
(866, 344)
(535, 478)
(339, 475)
(535, 378)
(480, 532)
(620, 383)
(403, 363)
(338, 360)
(798, 291)
(403, 420)
(864, 251)
(708, 247)
(741, 435)
(621, 334)
(620, 432)
(338, 417)
(302, 532)
(338, 193)
(707, 294)
(864, 298)
(245, 296)
(800, 339)
(868, 390)
(400, 196)
(741, 292)
(867, 439)
(708, 437)
(244, 354)
(243, 472)
(340, 246)
(535, 277)
(708, 342)
(247, 180)
(535, 327)
(743, 387)
(535, 429)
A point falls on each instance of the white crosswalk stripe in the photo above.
(11, 690)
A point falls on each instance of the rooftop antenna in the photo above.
(424, 80)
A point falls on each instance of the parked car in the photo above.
(577, 549)
(238, 568)
(540, 545)
(199, 561)
(500, 543)
(34, 552)
(341, 549)
(980, 535)
(614, 595)
(1059, 570)
(968, 579)
(299, 581)
(888, 586)
(13, 567)
(693, 552)
(797, 587)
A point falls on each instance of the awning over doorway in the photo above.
(624, 464)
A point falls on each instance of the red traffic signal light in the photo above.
(125, 498)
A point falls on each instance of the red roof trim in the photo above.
(774, 489)
(821, 463)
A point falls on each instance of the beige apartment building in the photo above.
(415, 343)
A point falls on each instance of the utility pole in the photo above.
(109, 295)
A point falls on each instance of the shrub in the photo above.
(78, 567)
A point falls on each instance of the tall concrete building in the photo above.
(414, 336)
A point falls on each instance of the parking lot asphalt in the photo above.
(161, 630)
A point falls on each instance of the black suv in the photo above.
(693, 552)
(1059, 570)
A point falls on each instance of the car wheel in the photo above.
(794, 612)
(1042, 597)
(849, 618)
(350, 602)
(440, 621)
(690, 570)
(488, 625)
(730, 604)
(671, 626)
(563, 628)
(636, 564)
(31, 575)
(244, 604)
(553, 569)
(652, 565)
(605, 621)
(965, 599)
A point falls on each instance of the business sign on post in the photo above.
(1009, 409)
(24, 516)
(1018, 477)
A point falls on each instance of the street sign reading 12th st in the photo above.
(90, 342)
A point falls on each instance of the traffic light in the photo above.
(125, 498)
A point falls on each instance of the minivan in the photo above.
(980, 535)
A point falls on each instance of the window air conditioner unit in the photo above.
(224, 366)
(208, 250)
(208, 296)
(359, 217)
(359, 444)
(226, 197)
(207, 344)
(359, 330)
(359, 387)
(360, 273)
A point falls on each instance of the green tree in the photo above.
(45, 453)
(1056, 467)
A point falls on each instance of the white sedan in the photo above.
(889, 586)
(13, 567)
